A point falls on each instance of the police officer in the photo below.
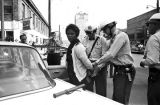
(99, 48)
(153, 59)
(119, 54)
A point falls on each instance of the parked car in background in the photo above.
(25, 80)
(137, 48)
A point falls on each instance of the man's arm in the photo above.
(113, 50)
(152, 51)
(81, 53)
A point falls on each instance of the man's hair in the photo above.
(22, 35)
(74, 28)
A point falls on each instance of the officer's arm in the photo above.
(113, 50)
(152, 49)
(81, 54)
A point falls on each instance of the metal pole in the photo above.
(59, 32)
(75, 19)
(2, 20)
(49, 16)
(157, 6)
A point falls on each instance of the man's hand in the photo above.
(142, 64)
(94, 64)
(96, 70)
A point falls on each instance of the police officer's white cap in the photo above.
(155, 16)
(108, 24)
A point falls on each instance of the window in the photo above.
(8, 12)
(33, 21)
(9, 36)
(8, 9)
(0, 35)
(29, 12)
(23, 11)
(36, 39)
(36, 22)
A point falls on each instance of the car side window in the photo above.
(20, 71)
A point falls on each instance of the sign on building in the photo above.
(26, 25)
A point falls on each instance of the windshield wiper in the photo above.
(47, 75)
(68, 91)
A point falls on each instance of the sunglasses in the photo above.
(152, 22)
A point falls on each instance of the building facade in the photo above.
(22, 16)
(136, 27)
(81, 20)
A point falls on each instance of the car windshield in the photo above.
(21, 70)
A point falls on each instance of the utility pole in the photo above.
(157, 6)
(59, 32)
(75, 19)
(2, 19)
(49, 16)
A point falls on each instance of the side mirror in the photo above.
(58, 71)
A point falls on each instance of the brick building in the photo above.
(137, 29)
(22, 16)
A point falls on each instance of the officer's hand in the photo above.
(96, 70)
(142, 64)
(94, 64)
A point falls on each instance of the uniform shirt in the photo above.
(152, 49)
(119, 52)
(80, 61)
(99, 49)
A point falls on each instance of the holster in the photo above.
(128, 70)
(122, 68)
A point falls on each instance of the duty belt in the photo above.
(124, 69)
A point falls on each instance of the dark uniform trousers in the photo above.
(121, 83)
(153, 93)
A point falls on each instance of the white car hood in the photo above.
(79, 97)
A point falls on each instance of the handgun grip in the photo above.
(129, 77)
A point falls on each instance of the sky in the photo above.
(63, 11)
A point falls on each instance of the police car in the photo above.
(25, 80)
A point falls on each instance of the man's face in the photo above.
(109, 31)
(152, 28)
(90, 34)
(23, 39)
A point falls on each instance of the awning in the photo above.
(35, 34)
